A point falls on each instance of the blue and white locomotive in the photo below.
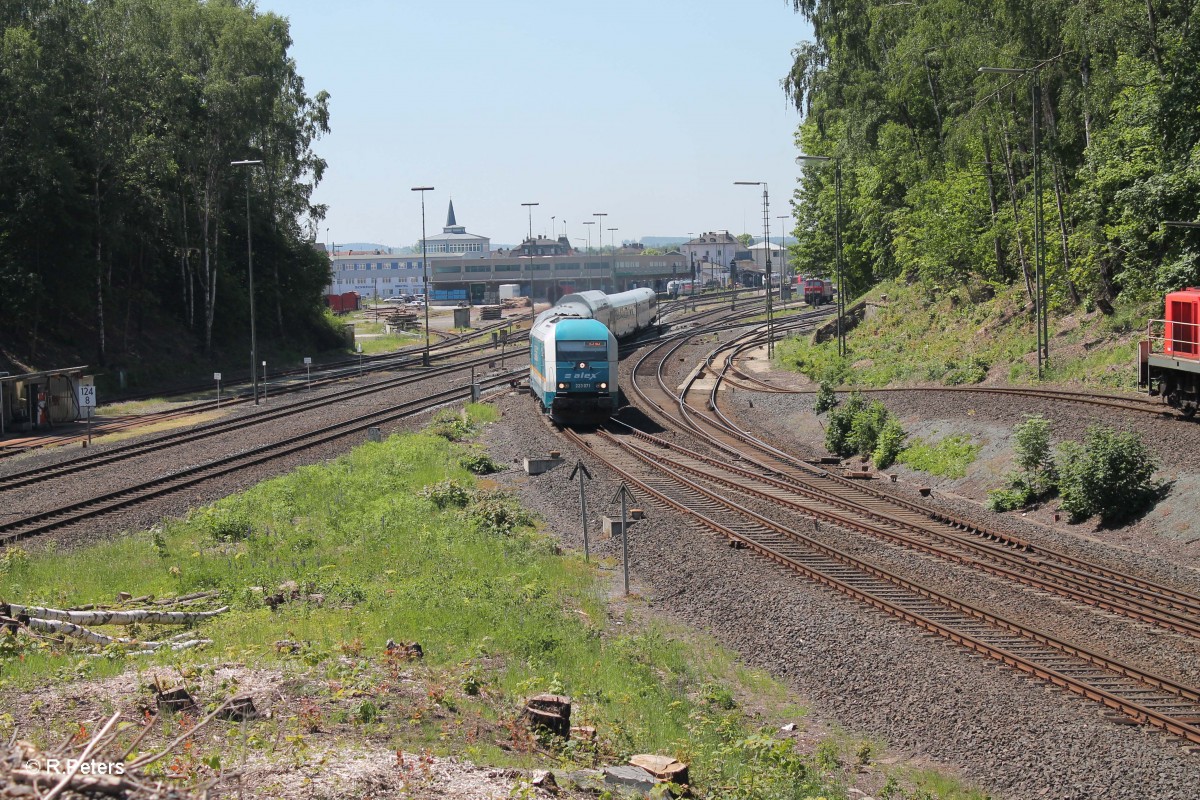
(573, 352)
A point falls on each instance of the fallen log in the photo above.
(101, 617)
(104, 640)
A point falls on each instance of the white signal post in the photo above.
(217, 378)
(264, 381)
(308, 369)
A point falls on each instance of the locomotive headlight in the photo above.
(562, 385)
(603, 385)
(581, 365)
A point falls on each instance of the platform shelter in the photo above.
(39, 400)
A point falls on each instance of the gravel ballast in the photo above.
(929, 700)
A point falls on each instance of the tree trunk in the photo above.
(1064, 233)
(1012, 193)
(101, 350)
(993, 202)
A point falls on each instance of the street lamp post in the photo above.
(590, 223)
(600, 230)
(837, 243)
(529, 207)
(767, 239)
(250, 271)
(612, 243)
(425, 268)
(783, 270)
(1039, 233)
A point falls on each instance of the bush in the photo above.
(451, 425)
(1018, 496)
(1036, 477)
(498, 514)
(826, 398)
(865, 428)
(975, 370)
(1110, 474)
(479, 463)
(1031, 442)
(447, 493)
(891, 442)
(837, 434)
(855, 426)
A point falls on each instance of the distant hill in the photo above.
(386, 248)
(664, 241)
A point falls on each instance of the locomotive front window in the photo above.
(574, 350)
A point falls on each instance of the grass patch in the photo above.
(388, 342)
(971, 333)
(947, 458)
(153, 405)
(158, 427)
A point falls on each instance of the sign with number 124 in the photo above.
(87, 396)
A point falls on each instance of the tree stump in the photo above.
(551, 712)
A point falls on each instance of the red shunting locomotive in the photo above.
(1169, 356)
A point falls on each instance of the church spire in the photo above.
(450, 222)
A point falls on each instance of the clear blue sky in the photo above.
(645, 109)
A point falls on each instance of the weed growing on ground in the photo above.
(947, 458)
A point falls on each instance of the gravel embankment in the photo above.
(930, 700)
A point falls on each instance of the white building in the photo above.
(383, 273)
(760, 251)
(713, 250)
(455, 241)
(376, 273)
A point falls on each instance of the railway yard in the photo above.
(1033, 657)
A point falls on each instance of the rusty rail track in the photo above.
(92, 507)
(760, 470)
(197, 433)
(1140, 695)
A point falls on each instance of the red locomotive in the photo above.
(1169, 356)
(818, 291)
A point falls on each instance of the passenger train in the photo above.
(573, 352)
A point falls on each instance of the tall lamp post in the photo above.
(783, 270)
(767, 239)
(425, 268)
(612, 243)
(529, 207)
(590, 223)
(600, 230)
(837, 243)
(250, 270)
(1039, 233)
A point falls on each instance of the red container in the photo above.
(1182, 334)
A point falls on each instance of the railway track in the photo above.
(92, 507)
(702, 485)
(174, 439)
(1124, 403)
(1138, 694)
(329, 374)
